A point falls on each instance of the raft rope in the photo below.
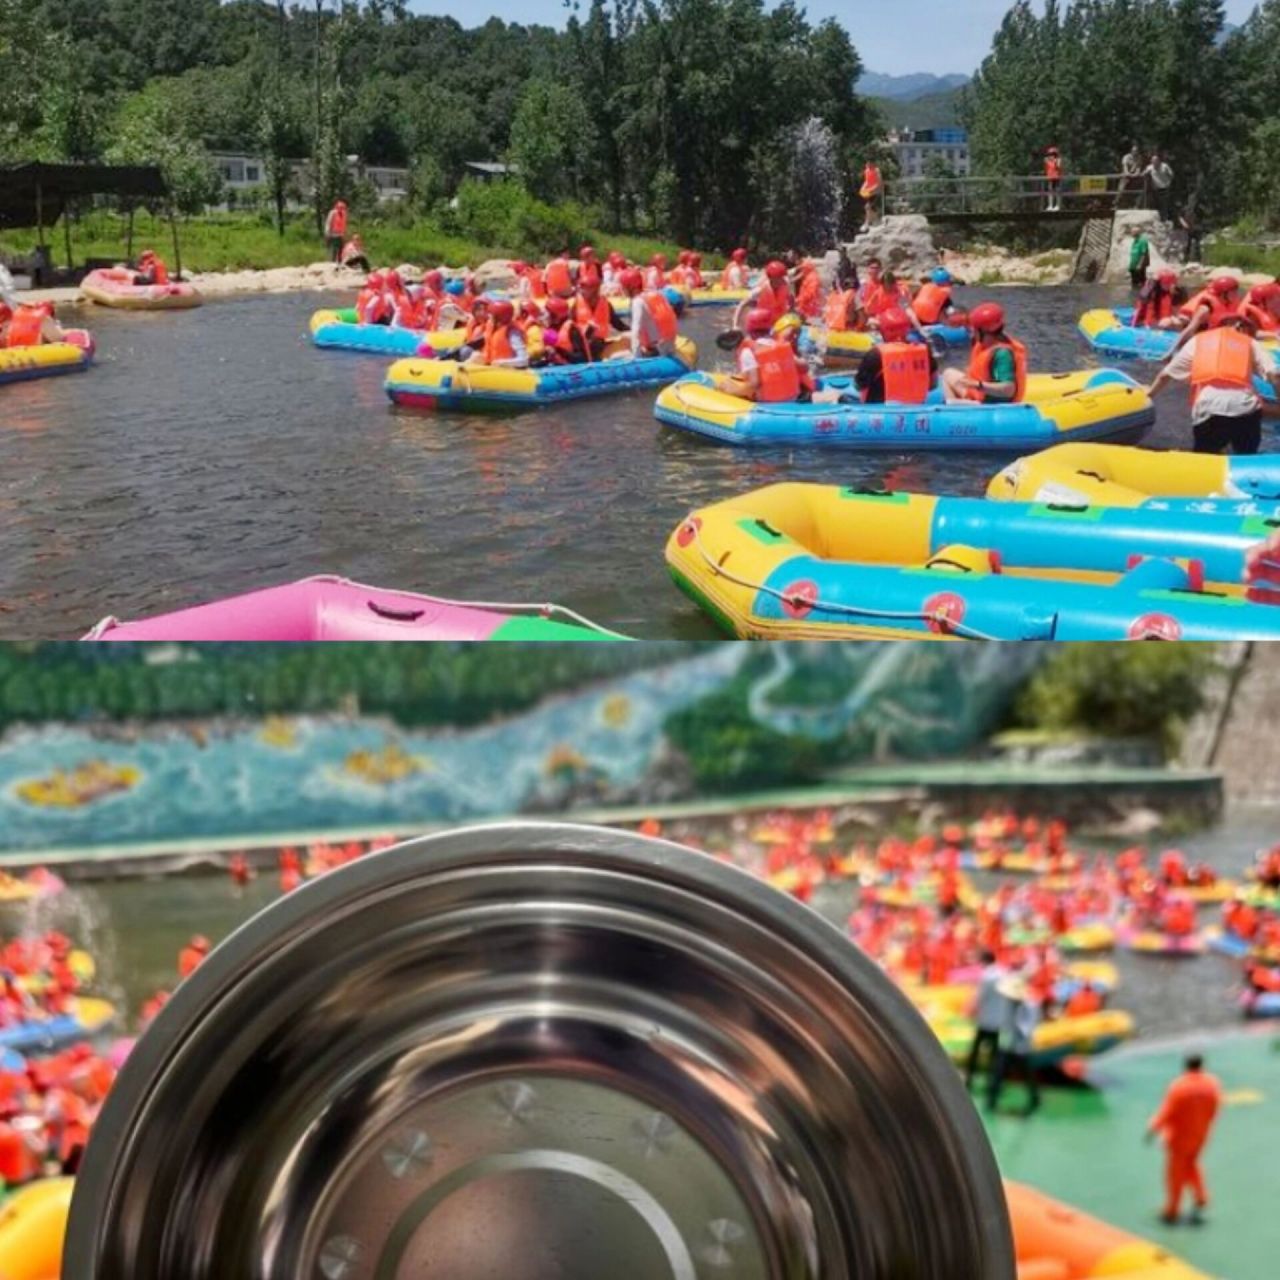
(971, 633)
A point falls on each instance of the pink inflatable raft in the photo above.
(329, 608)
(114, 287)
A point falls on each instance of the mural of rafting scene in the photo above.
(1068, 914)
(769, 377)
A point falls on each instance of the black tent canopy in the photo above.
(35, 195)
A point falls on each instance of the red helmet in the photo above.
(631, 280)
(739, 255)
(558, 309)
(775, 270)
(659, 260)
(894, 325)
(434, 280)
(617, 259)
(502, 311)
(393, 280)
(586, 252)
(374, 280)
(1168, 277)
(519, 267)
(146, 255)
(200, 943)
(987, 317)
(1270, 292)
(685, 257)
(759, 322)
(1224, 285)
(695, 259)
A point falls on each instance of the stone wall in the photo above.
(1165, 247)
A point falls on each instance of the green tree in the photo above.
(551, 138)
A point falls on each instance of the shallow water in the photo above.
(136, 927)
(215, 451)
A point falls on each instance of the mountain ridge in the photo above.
(907, 88)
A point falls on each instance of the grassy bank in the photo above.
(1248, 257)
(236, 242)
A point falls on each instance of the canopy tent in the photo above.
(37, 195)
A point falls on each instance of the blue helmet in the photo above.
(675, 297)
(941, 276)
(455, 288)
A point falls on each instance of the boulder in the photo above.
(495, 275)
(903, 243)
(1129, 223)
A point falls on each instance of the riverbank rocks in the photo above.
(495, 276)
(318, 275)
(904, 244)
(1128, 225)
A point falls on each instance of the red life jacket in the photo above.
(809, 296)
(1223, 358)
(774, 299)
(779, 370)
(1155, 307)
(931, 302)
(981, 360)
(1218, 309)
(908, 377)
(835, 315)
(559, 279)
(25, 327)
(337, 221)
(1053, 169)
(497, 343)
(664, 316)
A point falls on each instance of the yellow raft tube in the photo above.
(19, 364)
(1111, 475)
(33, 1226)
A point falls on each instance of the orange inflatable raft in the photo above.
(1056, 1242)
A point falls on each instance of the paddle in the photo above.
(730, 340)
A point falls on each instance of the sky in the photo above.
(958, 31)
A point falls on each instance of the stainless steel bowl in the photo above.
(538, 1052)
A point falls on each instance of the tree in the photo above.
(550, 136)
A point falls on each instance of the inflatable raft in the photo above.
(22, 364)
(1088, 939)
(848, 346)
(1052, 1043)
(797, 561)
(1154, 942)
(114, 287)
(331, 608)
(1055, 1242)
(340, 331)
(1093, 405)
(1117, 476)
(33, 1225)
(447, 385)
(87, 1018)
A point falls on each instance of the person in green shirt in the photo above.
(1139, 260)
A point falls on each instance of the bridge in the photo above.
(1021, 199)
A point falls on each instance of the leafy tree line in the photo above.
(684, 118)
(1093, 76)
(413, 684)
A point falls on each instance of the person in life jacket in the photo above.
(192, 956)
(1184, 1121)
(1222, 367)
(873, 295)
(354, 255)
(559, 276)
(1083, 1001)
(1262, 306)
(654, 320)
(1212, 306)
(477, 322)
(335, 228)
(809, 291)
(869, 193)
(655, 274)
(31, 325)
(531, 282)
(570, 341)
(1157, 304)
(589, 269)
(372, 304)
(933, 303)
(1053, 179)
(736, 274)
(892, 293)
(614, 266)
(696, 279)
(842, 311)
(151, 269)
(997, 371)
(415, 309)
(679, 275)
(590, 307)
(773, 294)
(896, 371)
(768, 370)
(504, 344)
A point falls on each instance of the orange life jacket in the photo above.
(835, 315)
(931, 302)
(419, 314)
(537, 284)
(664, 315)
(679, 276)
(1083, 1002)
(779, 370)
(877, 298)
(871, 181)
(1053, 169)
(601, 315)
(654, 278)
(1223, 358)
(372, 306)
(1262, 316)
(1157, 306)
(734, 276)
(566, 344)
(159, 272)
(907, 374)
(774, 299)
(559, 279)
(497, 343)
(25, 327)
(1219, 310)
(589, 272)
(337, 222)
(981, 360)
(809, 296)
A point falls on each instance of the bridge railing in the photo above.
(1022, 194)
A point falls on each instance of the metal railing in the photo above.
(1021, 195)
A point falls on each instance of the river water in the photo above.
(135, 928)
(215, 451)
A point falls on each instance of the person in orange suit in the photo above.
(1185, 1120)
(192, 955)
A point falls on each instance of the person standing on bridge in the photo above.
(1185, 1120)
(1131, 176)
(1160, 174)
(1053, 179)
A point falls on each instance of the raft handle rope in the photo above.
(939, 619)
(547, 610)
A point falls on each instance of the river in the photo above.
(215, 451)
(135, 928)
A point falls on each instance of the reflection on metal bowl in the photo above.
(546, 1052)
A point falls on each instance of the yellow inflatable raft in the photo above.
(20, 364)
(1053, 1041)
(1086, 939)
(33, 1226)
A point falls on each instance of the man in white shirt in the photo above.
(1221, 366)
(1160, 174)
(989, 1014)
